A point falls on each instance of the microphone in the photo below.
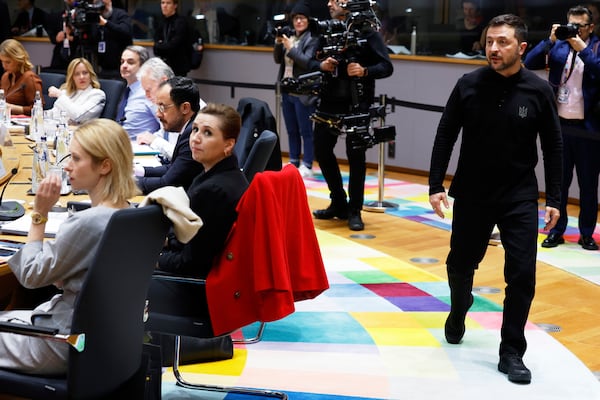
(10, 210)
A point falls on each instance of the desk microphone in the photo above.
(10, 210)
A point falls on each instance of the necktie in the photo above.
(122, 104)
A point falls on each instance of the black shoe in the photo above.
(354, 221)
(588, 243)
(512, 365)
(331, 212)
(553, 240)
(454, 329)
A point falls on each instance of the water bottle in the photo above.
(36, 123)
(2, 106)
(62, 141)
(39, 167)
(413, 41)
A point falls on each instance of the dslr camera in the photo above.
(280, 26)
(84, 14)
(563, 32)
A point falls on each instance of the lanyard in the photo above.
(569, 71)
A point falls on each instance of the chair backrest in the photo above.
(114, 90)
(259, 154)
(50, 79)
(110, 306)
(256, 118)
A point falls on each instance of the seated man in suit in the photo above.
(178, 101)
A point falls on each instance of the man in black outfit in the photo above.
(173, 38)
(345, 80)
(501, 110)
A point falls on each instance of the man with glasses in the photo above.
(178, 101)
(571, 56)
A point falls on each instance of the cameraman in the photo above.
(572, 57)
(347, 79)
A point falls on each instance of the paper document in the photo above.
(21, 225)
(142, 149)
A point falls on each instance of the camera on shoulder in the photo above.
(563, 32)
(85, 13)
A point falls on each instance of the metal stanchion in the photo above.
(380, 205)
(278, 107)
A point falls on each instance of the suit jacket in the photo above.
(264, 267)
(22, 92)
(181, 171)
(213, 196)
(256, 117)
(172, 43)
(23, 24)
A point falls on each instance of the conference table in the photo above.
(19, 155)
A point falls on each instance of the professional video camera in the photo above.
(340, 37)
(563, 32)
(359, 127)
(280, 26)
(83, 14)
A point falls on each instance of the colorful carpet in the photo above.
(413, 204)
(377, 333)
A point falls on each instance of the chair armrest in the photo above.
(77, 341)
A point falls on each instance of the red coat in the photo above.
(271, 258)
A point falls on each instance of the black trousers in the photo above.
(472, 225)
(581, 154)
(325, 139)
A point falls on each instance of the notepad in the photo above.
(20, 226)
(8, 248)
(143, 149)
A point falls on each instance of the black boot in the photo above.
(461, 299)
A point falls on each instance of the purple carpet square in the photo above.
(395, 289)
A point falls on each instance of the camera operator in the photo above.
(92, 30)
(571, 55)
(344, 79)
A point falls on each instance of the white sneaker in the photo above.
(305, 172)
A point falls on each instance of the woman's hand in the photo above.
(53, 91)
(47, 194)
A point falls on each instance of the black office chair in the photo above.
(235, 298)
(50, 79)
(259, 154)
(105, 358)
(114, 90)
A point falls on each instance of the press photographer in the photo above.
(353, 55)
(294, 48)
(91, 29)
(572, 58)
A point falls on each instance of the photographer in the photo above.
(347, 78)
(572, 57)
(293, 51)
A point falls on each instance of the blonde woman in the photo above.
(100, 163)
(80, 96)
(18, 81)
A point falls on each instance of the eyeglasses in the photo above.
(299, 17)
(163, 107)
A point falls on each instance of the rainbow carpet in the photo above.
(413, 204)
(377, 333)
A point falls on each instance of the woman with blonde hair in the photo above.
(18, 81)
(100, 163)
(80, 96)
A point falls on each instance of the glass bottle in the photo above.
(39, 167)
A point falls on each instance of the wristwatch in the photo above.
(37, 218)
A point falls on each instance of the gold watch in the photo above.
(37, 218)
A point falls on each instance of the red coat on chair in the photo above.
(272, 257)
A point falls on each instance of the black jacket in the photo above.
(172, 43)
(181, 171)
(213, 197)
